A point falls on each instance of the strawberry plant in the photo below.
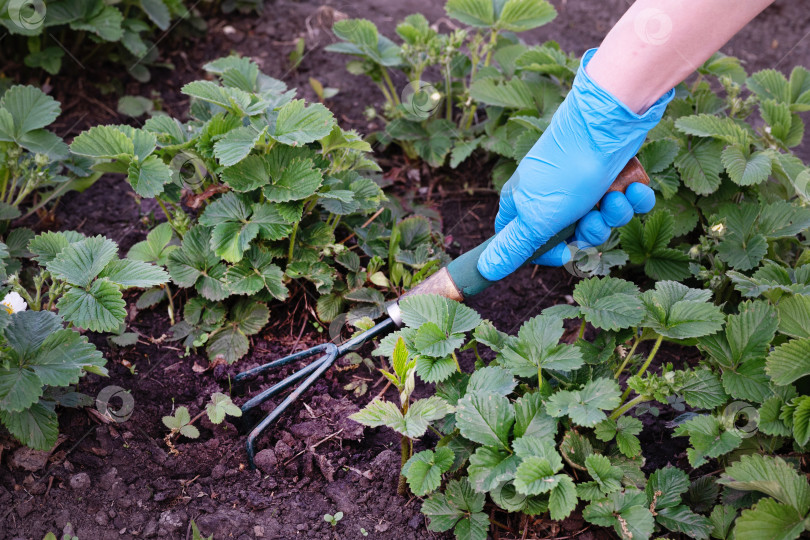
(546, 424)
(79, 281)
(83, 278)
(36, 168)
(261, 190)
(159, 243)
(492, 93)
(706, 152)
(39, 359)
(780, 513)
(122, 32)
(181, 423)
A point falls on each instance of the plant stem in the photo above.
(54, 291)
(458, 366)
(448, 93)
(165, 210)
(171, 303)
(493, 38)
(402, 486)
(646, 364)
(27, 297)
(391, 86)
(697, 82)
(38, 281)
(387, 94)
(438, 433)
(292, 243)
(627, 406)
(4, 184)
(651, 356)
(405, 450)
(475, 351)
(627, 358)
(582, 329)
(539, 378)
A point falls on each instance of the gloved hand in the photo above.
(591, 138)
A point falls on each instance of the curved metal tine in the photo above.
(312, 351)
(359, 340)
(248, 419)
(323, 365)
(258, 399)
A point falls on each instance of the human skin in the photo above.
(658, 43)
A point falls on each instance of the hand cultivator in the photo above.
(458, 280)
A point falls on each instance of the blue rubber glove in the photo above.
(591, 138)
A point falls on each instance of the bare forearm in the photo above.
(658, 43)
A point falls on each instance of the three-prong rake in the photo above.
(458, 280)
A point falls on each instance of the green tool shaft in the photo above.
(461, 278)
(464, 269)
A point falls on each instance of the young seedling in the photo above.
(322, 93)
(67, 534)
(333, 519)
(408, 419)
(181, 423)
(196, 535)
(297, 54)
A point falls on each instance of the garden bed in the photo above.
(120, 480)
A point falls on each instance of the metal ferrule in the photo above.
(439, 283)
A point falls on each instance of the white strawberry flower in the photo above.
(13, 303)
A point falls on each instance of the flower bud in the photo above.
(41, 160)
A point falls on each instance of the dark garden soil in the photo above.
(120, 479)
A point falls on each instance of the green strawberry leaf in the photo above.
(537, 348)
(256, 272)
(490, 467)
(424, 470)
(585, 407)
(80, 262)
(531, 419)
(100, 307)
(675, 311)
(789, 362)
(220, 406)
(36, 427)
(485, 418)
(769, 519)
(771, 476)
(297, 124)
(609, 303)
(128, 273)
(647, 243)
